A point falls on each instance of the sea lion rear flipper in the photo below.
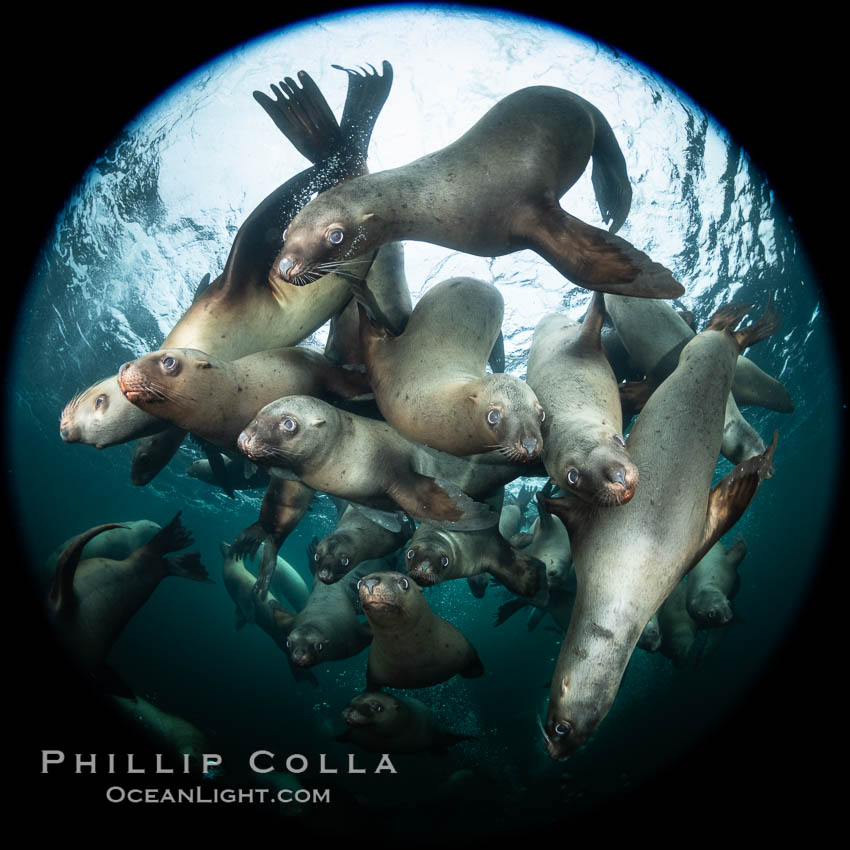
(217, 467)
(188, 566)
(509, 609)
(732, 495)
(303, 116)
(170, 538)
(497, 355)
(443, 503)
(367, 93)
(610, 178)
(596, 259)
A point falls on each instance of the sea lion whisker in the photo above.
(542, 730)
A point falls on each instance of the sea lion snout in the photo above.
(371, 582)
(530, 447)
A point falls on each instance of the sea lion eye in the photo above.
(318, 647)
(619, 440)
(378, 707)
(360, 581)
(344, 562)
(316, 556)
(288, 424)
(410, 554)
(98, 402)
(169, 363)
(572, 476)
(562, 729)
(335, 237)
(494, 416)
(542, 415)
(287, 643)
(404, 583)
(444, 561)
(283, 235)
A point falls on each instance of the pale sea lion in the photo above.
(430, 382)
(650, 637)
(583, 447)
(327, 628)
(244, 310)
(92, 600)
(215, 399)
(629, 560)
(384, 723)
(286, 584)
(550, 544)
(412, 647)
(492, 192)
(357, 459)
(713, 582)
(678, 630)
(354, 540)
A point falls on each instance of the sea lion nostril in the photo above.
(284, 267)
(371, 582)
(529, 446)
(619, 476)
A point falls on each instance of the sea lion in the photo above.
(384, 723)
(327, 628)
(512, 516)
(244, 310)
(583, 447)
(654, 334)
(492, 192)
(558, 605)
(354, 540)
(152, 454)
(650, 637)
(430, 382)
(239, 583)
(678, 630)
(357, 459)
(629, 560)
(412, 647)
(215, 399)
(712, 583)
(92, 600)
(550, 544)
(240, 474)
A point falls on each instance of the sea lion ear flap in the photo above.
(317, 423)
(367, 217)
(203, 364)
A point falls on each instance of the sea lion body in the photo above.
(360, 460)
(412, 647)
(327, 628)
(235, 474)
(91, 601)
(239, 582)
(384, 723)
(678, 630)
(583, 447)
(550, 544)
(493, 191)
(712, 583)
(215, 399)
(430, 381)
(247, 309)
(354, 540)
(627, 561)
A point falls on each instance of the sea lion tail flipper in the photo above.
(61, 593)
(497, 354)
(303, 116)
(732, 495)
(610, 178)
(366, 96)
(595, 259)
(509, 609)
(170, 538)
(188, 566)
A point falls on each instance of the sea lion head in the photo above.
(286, 432)
(99, 417)
(595, 466)
(508, 417)
(570, 721)
(430, 556)
(306, 645)
(709, 608)
(650, 638)
(374, 709)
(332, 228)
(389, 597)
(334, 557)
(157, 382)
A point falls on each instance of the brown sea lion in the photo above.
(492, 192)
(629, 560)
(215, 399)
(357, 459)
(678, 630)
(355, 539)
(384, 723)
(654, 334)
(327, 628)
(583, 447)
(92, 600)
(430, 382)
(412, 647)
(712, 583)
(245, 310)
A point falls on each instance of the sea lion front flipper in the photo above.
(217, 467)
(153, 453)
(509, 609)
(732, 495)
(521, 574)
(303, 116)
(595, 259)
(478, 584)
(188, 566)
(390, 520)
(441, 502)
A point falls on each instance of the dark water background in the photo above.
(182, 649)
